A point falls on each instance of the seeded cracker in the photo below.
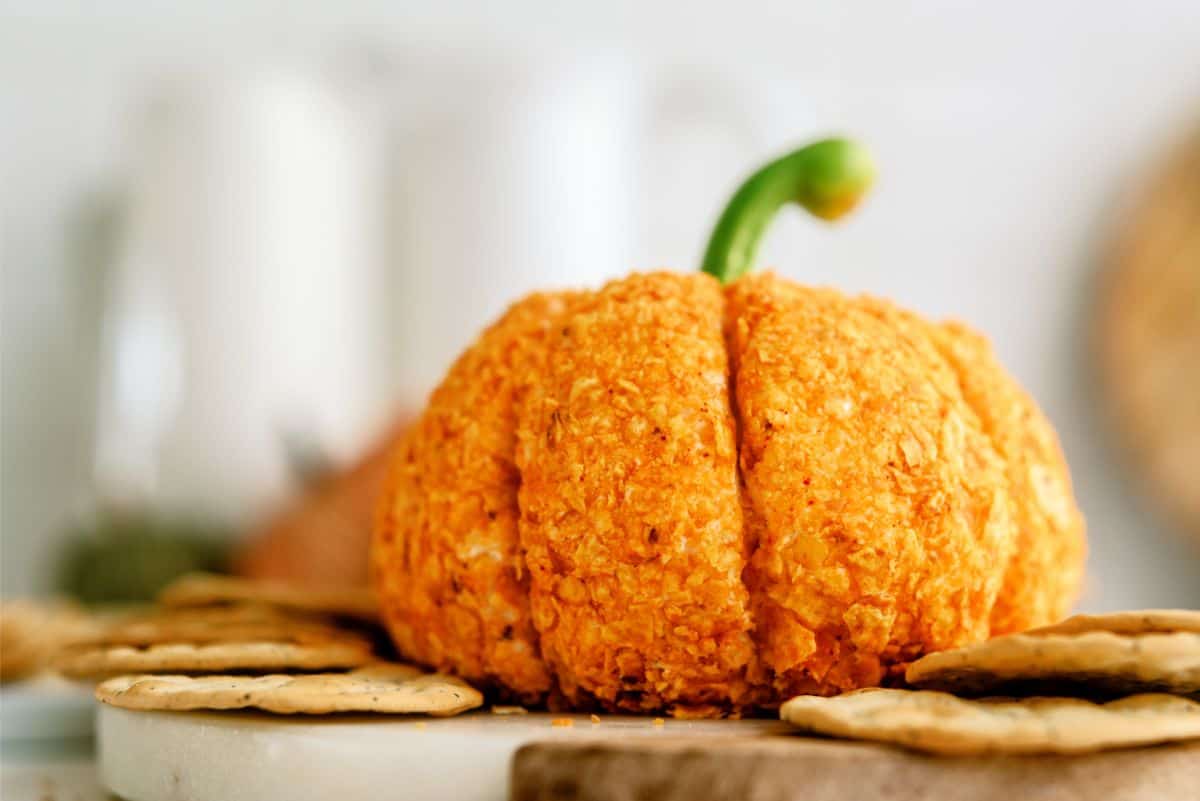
(383, 688)
(217, 624)
(98, 661)
(939, 723)
(1143, 621)
(1094, 663)
(204, 589)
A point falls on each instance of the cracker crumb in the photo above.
(565, 722)
(509, 710)
(595, 719)
(659, 722)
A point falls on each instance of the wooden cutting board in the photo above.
(794, 768)
(168, 756)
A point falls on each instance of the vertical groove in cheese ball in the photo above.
(629, 498)
(880, 508)
(446, 556)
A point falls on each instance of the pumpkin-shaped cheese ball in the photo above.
(673, 494)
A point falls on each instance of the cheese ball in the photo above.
(671, 496)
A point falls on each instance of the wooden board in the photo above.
(795, 768)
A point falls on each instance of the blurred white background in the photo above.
(225, 221)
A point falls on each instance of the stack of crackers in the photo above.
(1087, 684)
(33, 632)
(216, 642)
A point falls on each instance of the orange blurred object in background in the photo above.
(321, 537)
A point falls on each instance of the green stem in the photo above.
(828, 178)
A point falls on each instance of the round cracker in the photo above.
(222, 614)
(1094, 663)
(205, 589)
(1142, 621)
(174, 627)
(98, 661)
(384, 688)
(940, 723)
(33, 632)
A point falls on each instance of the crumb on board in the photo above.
(659, 722)
(562, 722)
(595, 719)
(509, 710)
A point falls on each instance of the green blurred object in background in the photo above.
(129, 555)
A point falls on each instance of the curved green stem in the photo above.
(828, 178)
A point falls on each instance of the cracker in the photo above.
(940, 723)
(383, 687)
(224, 613)
(233, 624)
(1143, 621)
(343, 651)
(1094, 663)
(205, 589)
(33, 632)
